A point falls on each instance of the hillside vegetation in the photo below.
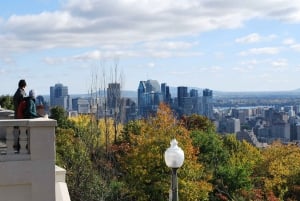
(125, 162)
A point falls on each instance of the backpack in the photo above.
(21, 109)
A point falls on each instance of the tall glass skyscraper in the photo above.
(149, 97)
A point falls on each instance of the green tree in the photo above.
(229, 161)
(60, 115)
(84, 181)
(238, 172)
(6, 102)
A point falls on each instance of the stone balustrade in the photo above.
(27, 159)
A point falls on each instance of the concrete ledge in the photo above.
(40, 122)
(61, 192)
(60, 174)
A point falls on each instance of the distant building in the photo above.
(207, 103)
(233, 125)
(196, 101)
(187, 106)
(149, 97)
(193, 93)
(42, 106)
(242, 114)
(59, 97)
(280, 131)
(81, 105)
(113, 95)
(165, 91)
(128, 110)
(182, 93)
(250, 137)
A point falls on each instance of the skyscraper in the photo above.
(113, 95)
(207, 103)
(165, 91)
(182, 93)
(59, 97)
(149, 97)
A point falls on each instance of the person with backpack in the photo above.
(19, 96)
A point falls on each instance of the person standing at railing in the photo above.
(19, 95)
(17, 99)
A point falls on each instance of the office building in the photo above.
(113, 95)
(165, 91)
(207, 103)
(59, 97)
(182, 93)
(81, 105)
(149, 97)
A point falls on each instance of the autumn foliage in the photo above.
(216, 167)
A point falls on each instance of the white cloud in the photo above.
(255, 38)
(7, 59)
(296, 47)
(251, 38)
(297, 69)
(98, 23)
(169, 45)
(244, 69)
(151, 65)
(280, 65)
(250, 62)
(2, 71)
(260, 51)
(288, 41)
(180, 73)
(215, 69)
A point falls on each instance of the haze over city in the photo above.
(222, 45)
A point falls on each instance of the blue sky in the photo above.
(227, 45)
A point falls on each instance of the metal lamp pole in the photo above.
(174, 157)
(174, 185)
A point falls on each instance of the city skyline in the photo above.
(223, 46)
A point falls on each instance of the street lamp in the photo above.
(174, 157)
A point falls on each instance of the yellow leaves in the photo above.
(82, 120)
(194, 190)
(281, 166)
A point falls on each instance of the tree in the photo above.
(198, 122)
(84, 182)
(6, 102)
(142, 165)
(229, 161)
(238, 171)
(59, 114)
(280, 170)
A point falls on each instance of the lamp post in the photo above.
(174, 157)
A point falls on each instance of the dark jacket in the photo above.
(30, 111)
(18, 97)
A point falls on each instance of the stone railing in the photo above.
(27, 159)
(15, 143)
(16, 140)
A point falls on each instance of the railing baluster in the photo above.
(23, 140)
(10, 139)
